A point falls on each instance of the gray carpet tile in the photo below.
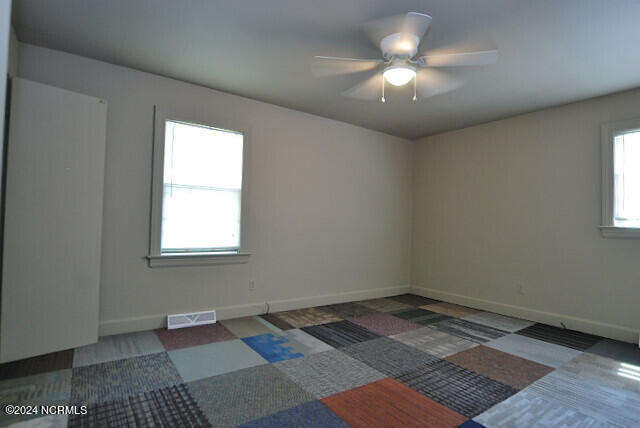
(434, 342)
(388, 356)
(421, 316)
(541, 352)
(340, 333)
(414, 300)
(469, 330)
(621, 351)
(277, 322)
(51, 421)
(559, 336)
(605, 370)
(214, 359)
(385, 305)
(529, 410)
(51, 388)
(117, 347)
(347, 310)
(244, 395)
(462, 390)
(328, 373)
(118, 379)
(168, 407)
(614, 406)
(498, 321)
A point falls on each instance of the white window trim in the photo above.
(155, 257)
(608, 133)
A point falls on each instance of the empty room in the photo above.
(336, 213)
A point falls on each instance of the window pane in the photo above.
(627, 179)
(202, 189)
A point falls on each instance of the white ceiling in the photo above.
(551, 51)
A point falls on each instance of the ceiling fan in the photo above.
(400, 61)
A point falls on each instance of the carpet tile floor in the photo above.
(399, 361)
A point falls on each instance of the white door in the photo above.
(53, 220)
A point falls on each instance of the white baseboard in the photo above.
(611, 331)
(150, 322)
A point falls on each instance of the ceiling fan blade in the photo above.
(431, 82)
(322, 66)
(415, 24)
(401, 33)
(368, 90)
(460, 59)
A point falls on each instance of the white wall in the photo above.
(517, 201)
(329, 204)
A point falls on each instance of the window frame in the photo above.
(155, 257)
(608, 133)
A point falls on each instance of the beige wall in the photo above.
(517, 201)
(329, 204)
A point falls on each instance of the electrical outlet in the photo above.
(521, 288)
(252, 285)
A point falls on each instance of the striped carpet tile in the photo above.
(389, 403)
(559, 336)
(462, 390)
(340, 333)
(167, 407)
(469, 330)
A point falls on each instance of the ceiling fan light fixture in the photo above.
(399, 75)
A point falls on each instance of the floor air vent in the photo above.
(190, 320)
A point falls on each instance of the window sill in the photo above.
(168, 260)
(620, 232)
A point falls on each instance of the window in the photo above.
(621, 179)
(197, 194)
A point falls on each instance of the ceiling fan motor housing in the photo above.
(399, 45)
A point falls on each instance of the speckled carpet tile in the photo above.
(378, 362)
(388, 356)
(193, 336)
(328, 373)
(508, 369)
(387, 403)
(385, 324)
(117, 379)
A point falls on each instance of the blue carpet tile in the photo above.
(271, 347)
(340, 333)
(310, 415)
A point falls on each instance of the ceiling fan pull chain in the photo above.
(415, 84)
(382, 99)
